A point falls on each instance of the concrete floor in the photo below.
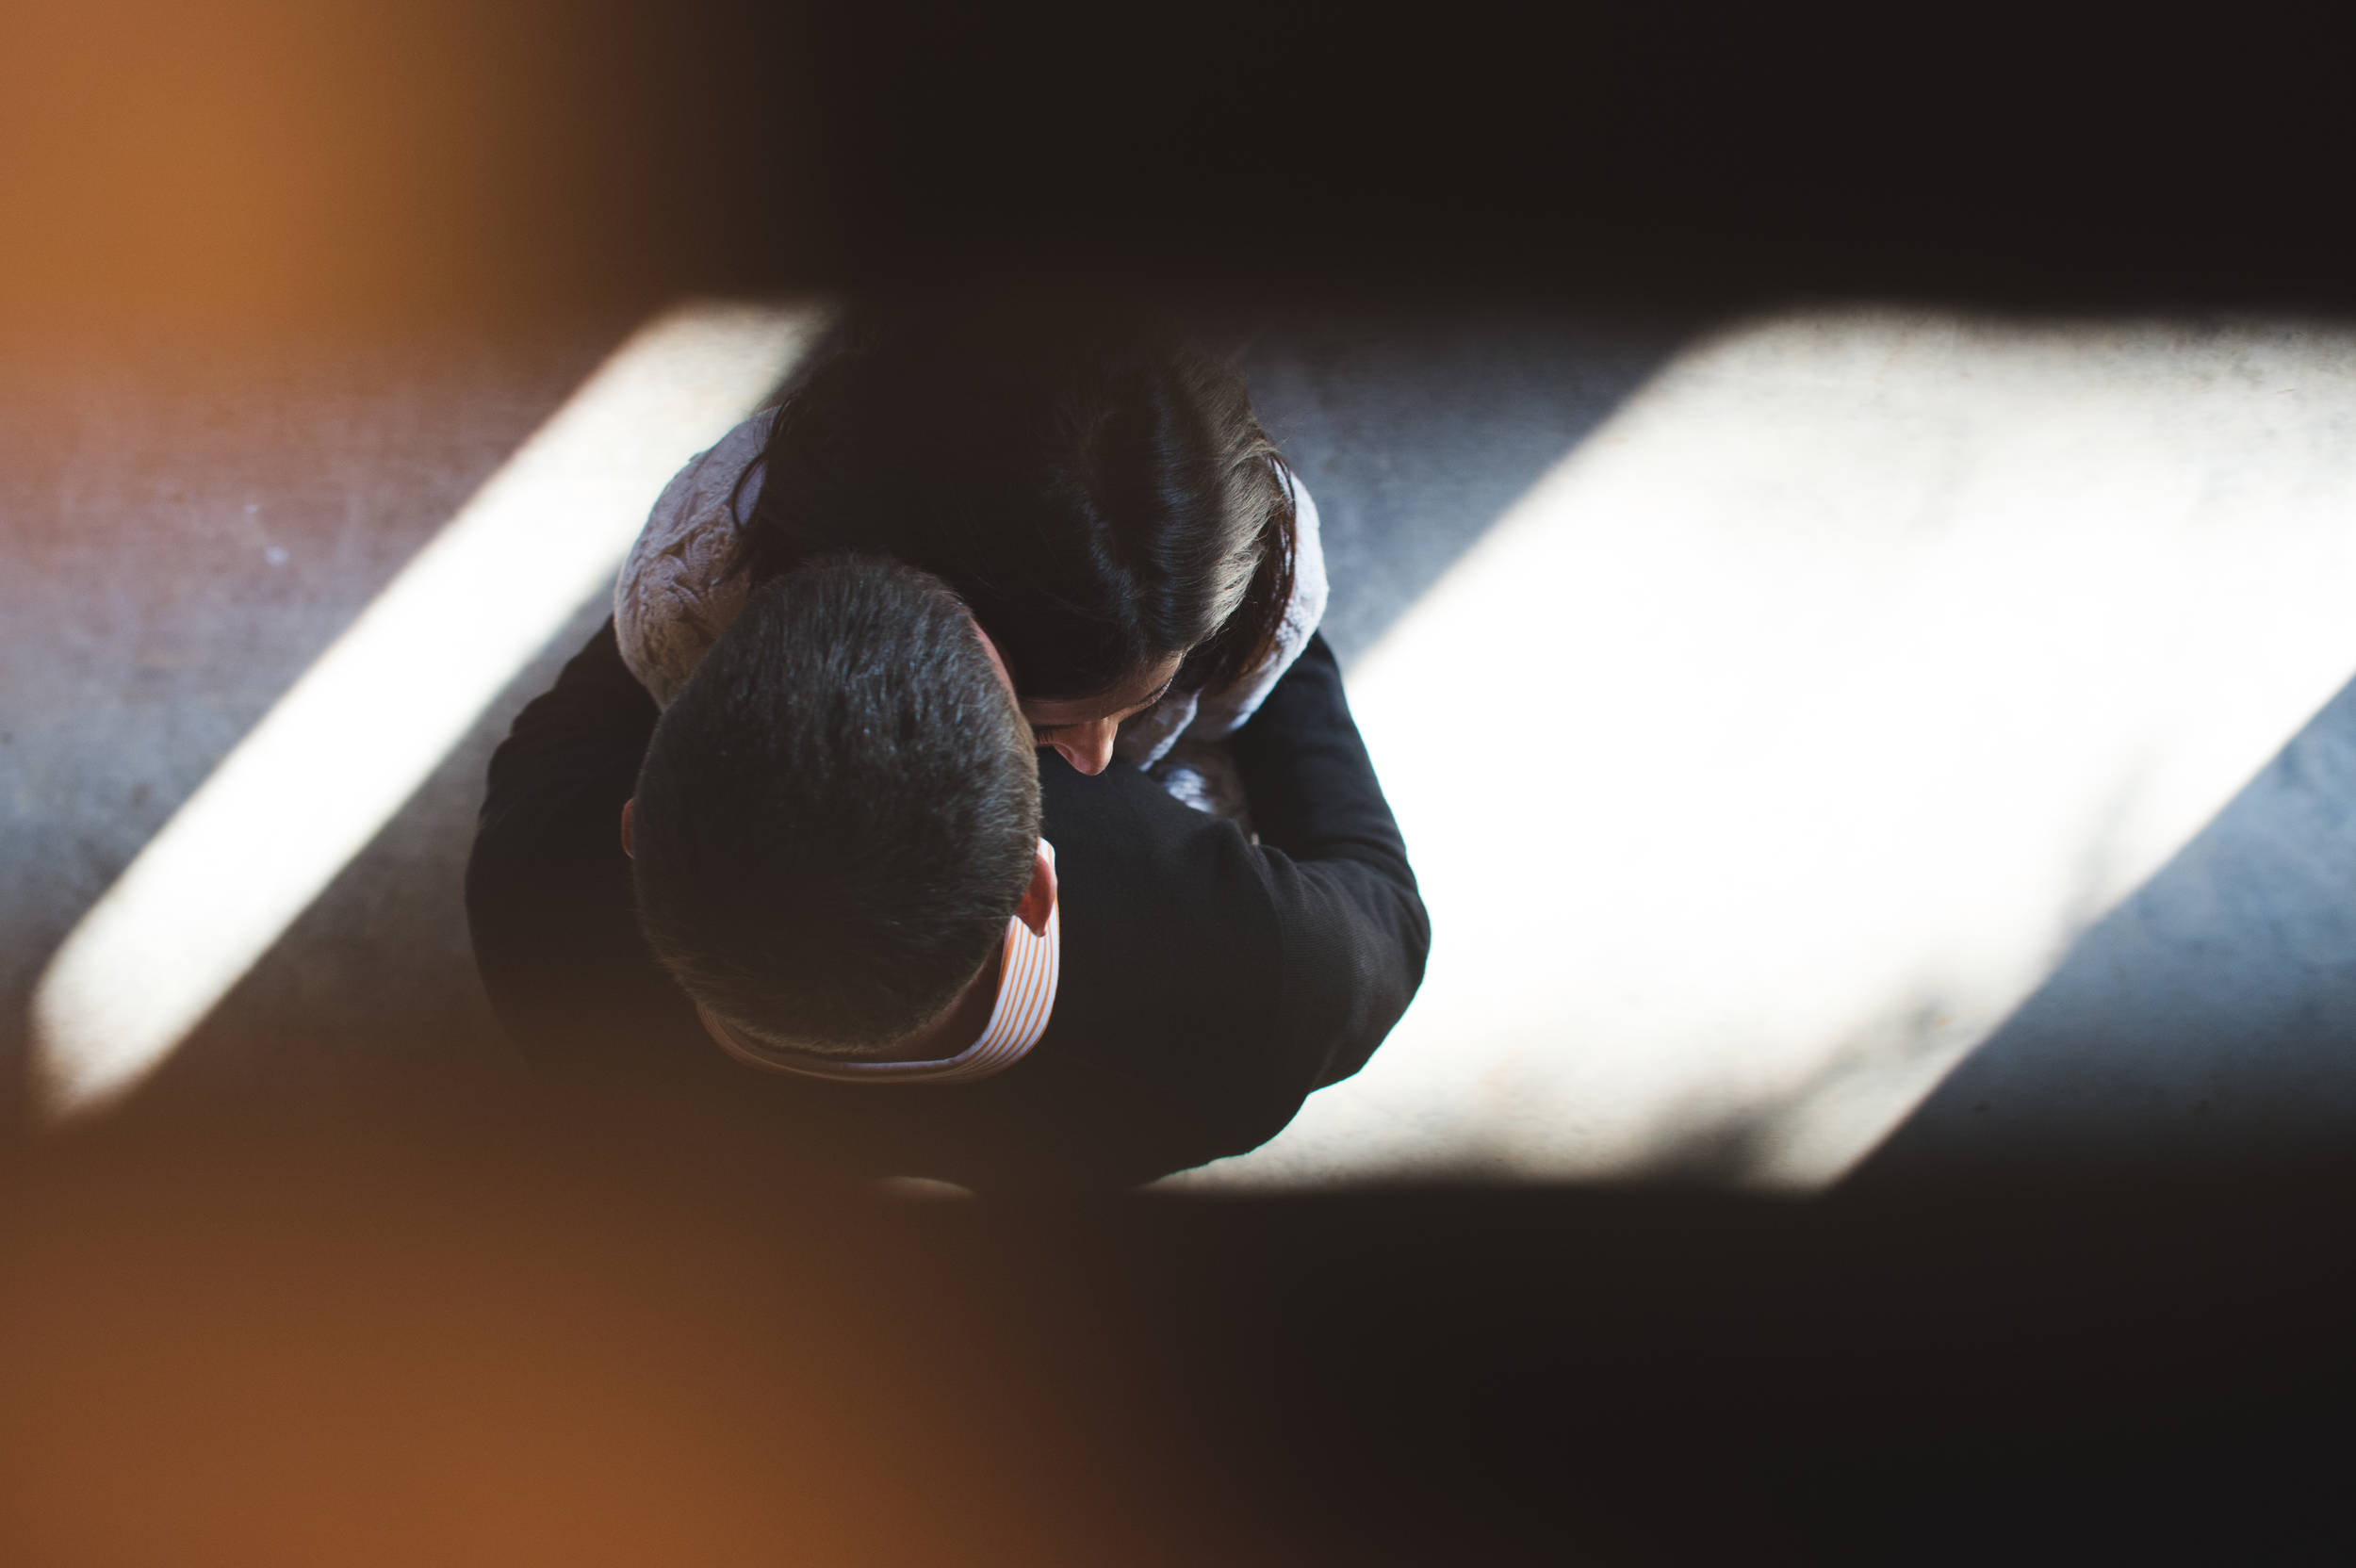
(2080, 871)
(189, 526)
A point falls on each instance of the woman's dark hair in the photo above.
(839, 811)
(1092, 484)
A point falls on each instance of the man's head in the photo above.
(839, 812)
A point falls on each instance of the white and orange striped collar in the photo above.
(1027, 972)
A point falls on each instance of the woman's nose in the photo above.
(1088, 746)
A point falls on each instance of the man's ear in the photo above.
(1039, 899)
(626, 805)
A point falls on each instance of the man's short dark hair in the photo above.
(837, 813)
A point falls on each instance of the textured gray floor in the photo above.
(2209, 1021)
(185, 526)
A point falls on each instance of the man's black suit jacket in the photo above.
(1208, 984)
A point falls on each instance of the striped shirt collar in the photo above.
(1027, 971)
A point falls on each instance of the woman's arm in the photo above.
(548, 887)
(1356, 931)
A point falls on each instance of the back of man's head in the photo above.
(839, 812)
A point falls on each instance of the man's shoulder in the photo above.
(1172, 972)
(1132, 859)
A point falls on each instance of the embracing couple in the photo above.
(961, 790)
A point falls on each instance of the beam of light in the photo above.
(328, 766)
(1776, 746)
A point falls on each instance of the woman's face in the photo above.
(1082, 727)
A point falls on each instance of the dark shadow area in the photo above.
(375, 1342)
(517, 156)
(2208, 1022)
(2019, 154)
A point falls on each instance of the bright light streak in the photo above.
(329, 765)
(1778, 743)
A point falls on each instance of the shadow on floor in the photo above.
(2209, 1019)
(372, 994)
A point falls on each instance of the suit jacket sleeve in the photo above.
(1354, 927)
(547, 885)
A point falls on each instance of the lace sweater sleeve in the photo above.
(674, 598)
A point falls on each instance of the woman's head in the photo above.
(1094, 486)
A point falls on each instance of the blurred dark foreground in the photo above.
(264, 164)
(362, 1345)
